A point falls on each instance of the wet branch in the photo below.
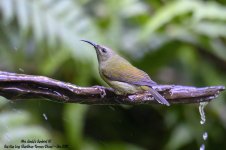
(20, 86)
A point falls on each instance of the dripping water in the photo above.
(44, 115)
(202, 105)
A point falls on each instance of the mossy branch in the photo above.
(21, 86)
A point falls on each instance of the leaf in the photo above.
(166, 14)
(180, 137)
(74, 116)
(7, 10)
(64, 21)
(3, 101)
(200, 11)
(22, 11)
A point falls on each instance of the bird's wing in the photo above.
(125, 72)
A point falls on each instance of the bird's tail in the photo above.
(158, 97)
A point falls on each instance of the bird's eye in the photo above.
(104, 50)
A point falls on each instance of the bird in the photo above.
(122, 76)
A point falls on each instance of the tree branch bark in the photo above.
(20, 86)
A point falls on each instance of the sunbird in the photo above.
(122, 76)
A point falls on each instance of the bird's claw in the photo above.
(102, 90)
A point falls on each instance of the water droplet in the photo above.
(15, 48)
(44, 115)
(21, 70)
(202, 147)
(205, 136)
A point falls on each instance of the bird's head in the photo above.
(103, 52)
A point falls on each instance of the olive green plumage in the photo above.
(122, 76)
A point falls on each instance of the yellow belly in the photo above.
(123, 88)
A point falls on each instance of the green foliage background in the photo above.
(176, 42)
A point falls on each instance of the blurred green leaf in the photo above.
(64, 21)
(179, 137)
(74, 116)
(3, 101)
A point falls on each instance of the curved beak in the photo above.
(91, 43)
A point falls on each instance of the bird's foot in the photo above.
(102, 90)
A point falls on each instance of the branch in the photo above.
(20, 86)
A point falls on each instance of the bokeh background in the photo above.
(176, 42)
